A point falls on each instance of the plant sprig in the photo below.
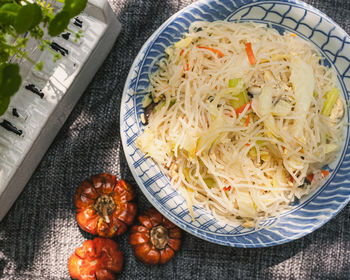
(19, 18)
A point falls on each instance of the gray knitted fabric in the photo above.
(40, 231)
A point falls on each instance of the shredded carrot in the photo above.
(250, 53)
(187, 67)
(310, 177)
(247, 121)
(241, 109)
(247, 144)
(216, 51)
(293, 34)
(226, 188)
(182, 51)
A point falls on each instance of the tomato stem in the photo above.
(104, 206)
(159, 237)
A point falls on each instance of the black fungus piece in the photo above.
(34, 90)
(148, 111)
(10, 127)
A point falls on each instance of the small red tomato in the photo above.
(97, 259)
(156, 239)
(105, 206)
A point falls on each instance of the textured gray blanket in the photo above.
(40, 231)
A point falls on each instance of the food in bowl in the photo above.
(242, 119)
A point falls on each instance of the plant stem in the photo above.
(47, 46)
(25, 55)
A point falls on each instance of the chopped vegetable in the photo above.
(146, 100)
(233, 82)
(99, 258)
(263, 103)
(262, 107)
(331, 99)
(236, 88)
(310, 177)
(105, 206)
(245, 204)
(226, 189)
(240, 100)
(210, 182)
(252, 153)
(250, 53)
(302, 78)
(183, 43)
(189, 202)
(186, 67)
(330, 148)
(254, 90)
(190, 143)
(216, 51)
(155, 239)
(242, 108)
(338, 110)
(247, 121)
(162, 103)
(187, 174)
(282, 108)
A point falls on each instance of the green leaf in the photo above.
(74, 7)
(28, 16)
(4, 103)
(58, 23)
(37, 14)
(39, 66)
(8, 13)
(5, 18)
(10, 80)
(4, 56)
(10, 8)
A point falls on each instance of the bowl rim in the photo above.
(139, 182)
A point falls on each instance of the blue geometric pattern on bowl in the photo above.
(306, 215)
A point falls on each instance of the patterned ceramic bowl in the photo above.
(309, 213)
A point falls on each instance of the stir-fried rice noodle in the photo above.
(242, 163)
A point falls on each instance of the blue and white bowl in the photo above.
(307, 214)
